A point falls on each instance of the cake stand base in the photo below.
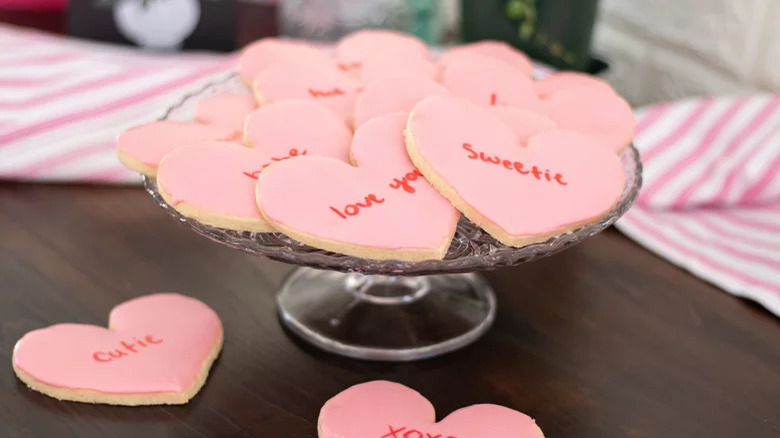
(378, 317)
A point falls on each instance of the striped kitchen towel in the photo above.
(63, 102)
(711, 199)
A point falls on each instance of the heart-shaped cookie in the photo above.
(266, 52)
(141, 148)
(319, 83)
(564, 80)
(383, 409)
(498, 50)
(357, 47)
(384, 66)
(158, 349)
(518, 193)
(382, 209)
(394, 94)
(214, 183)
(226, 109)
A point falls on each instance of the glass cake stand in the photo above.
(390, 310)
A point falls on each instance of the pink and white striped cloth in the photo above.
(711, 198)
(63, 102)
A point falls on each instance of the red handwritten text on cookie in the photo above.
(292, 153)
(326, 93)
(127, 348)
(404, 182)
(353, 209)
(350, 66)
(515, 165)
(403, 432)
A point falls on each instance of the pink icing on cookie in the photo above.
(298, 124)
(217, 178)
(525, 123)
(383, 66)
(394, 94)
(227, 109)
(156, 343)
(380, 205)
(390, 410)
(266, 52)
(357, 47)
(322, 84)
(600, 114)
(488, 82)
(149, 143)
(498, 50)
(559, 180)
(559, 81)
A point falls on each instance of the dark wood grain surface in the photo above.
(604, 340)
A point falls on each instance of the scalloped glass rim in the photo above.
(472, 249)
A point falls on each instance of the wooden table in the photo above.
(603, 340)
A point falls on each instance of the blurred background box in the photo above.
(557, 32)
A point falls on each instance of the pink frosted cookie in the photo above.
(519, 193)
(394, 94)
(319, 83)
(266, 52)
(489, 82)
(555, 82)
(384, 66)
(226, 109)
(596, 112)
(390, 410)
(525, 123)
(382, 209)
(357, 47)
(141, 148)
(498, 50)
(298, 124)
(157, 350)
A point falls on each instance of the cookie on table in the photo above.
(214, 183)
(266, 52)
(157, 350)
(357, 47)
(498, 50)
(390, 410)
(519, 192)
(382, 209)
(394, 94)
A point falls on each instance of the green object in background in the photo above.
(557, 32)
(425, 18)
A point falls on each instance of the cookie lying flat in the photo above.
(322, 84)
(525, 123)
(390, 410)
(394, 94)
(384, 66)
(564, 80)
(215, 183)
(266, 52)
(498, 50)
(382, 209)
(141, 148)
(357, 47)
(226, 109)
(519, 193)
(158, 349)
